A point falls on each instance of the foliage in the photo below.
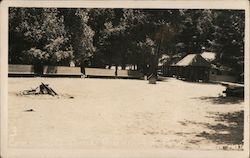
(43, 36)
(101, 37)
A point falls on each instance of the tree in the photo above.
(43, 37)
(229, 39)
(105, 36)
(80, 34)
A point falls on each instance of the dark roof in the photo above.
(193, 60)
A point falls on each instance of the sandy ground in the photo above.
(124, 114)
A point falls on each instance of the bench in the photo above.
(129, 74)
(56, 71)
(99, 72)
(20, 70)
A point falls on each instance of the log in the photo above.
(49, 90)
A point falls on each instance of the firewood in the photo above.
(49, 90)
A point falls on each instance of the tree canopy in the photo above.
(100, 37)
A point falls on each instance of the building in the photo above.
(199, 67)
(218, 73)
(192, 67)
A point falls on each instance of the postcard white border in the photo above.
(6, 152)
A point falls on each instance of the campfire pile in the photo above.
(41, 89)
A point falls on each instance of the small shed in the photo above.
(192, 67)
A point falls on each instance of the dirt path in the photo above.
(115, 113)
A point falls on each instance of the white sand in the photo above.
(121, 114)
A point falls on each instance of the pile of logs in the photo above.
(234, 90)
(41, 89)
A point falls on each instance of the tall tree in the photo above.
(105, 36)
(43, 37)
(229, 39)
(80, 34)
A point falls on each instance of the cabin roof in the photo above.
(193, 60)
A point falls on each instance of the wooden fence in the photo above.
(21, 70)
(61, 71)
(129, 74)
(99, 72)
(56, 71)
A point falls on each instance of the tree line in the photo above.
(107, 37)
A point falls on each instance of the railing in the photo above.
(21, 69)
(129, 73)
(61, 70)
(99, 72)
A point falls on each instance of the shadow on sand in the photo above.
(221, 100)
(227, 130)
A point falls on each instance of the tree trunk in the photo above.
(123, 66)
(116, 68)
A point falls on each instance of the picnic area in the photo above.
(123, 114)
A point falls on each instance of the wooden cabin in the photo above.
(192, 67)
